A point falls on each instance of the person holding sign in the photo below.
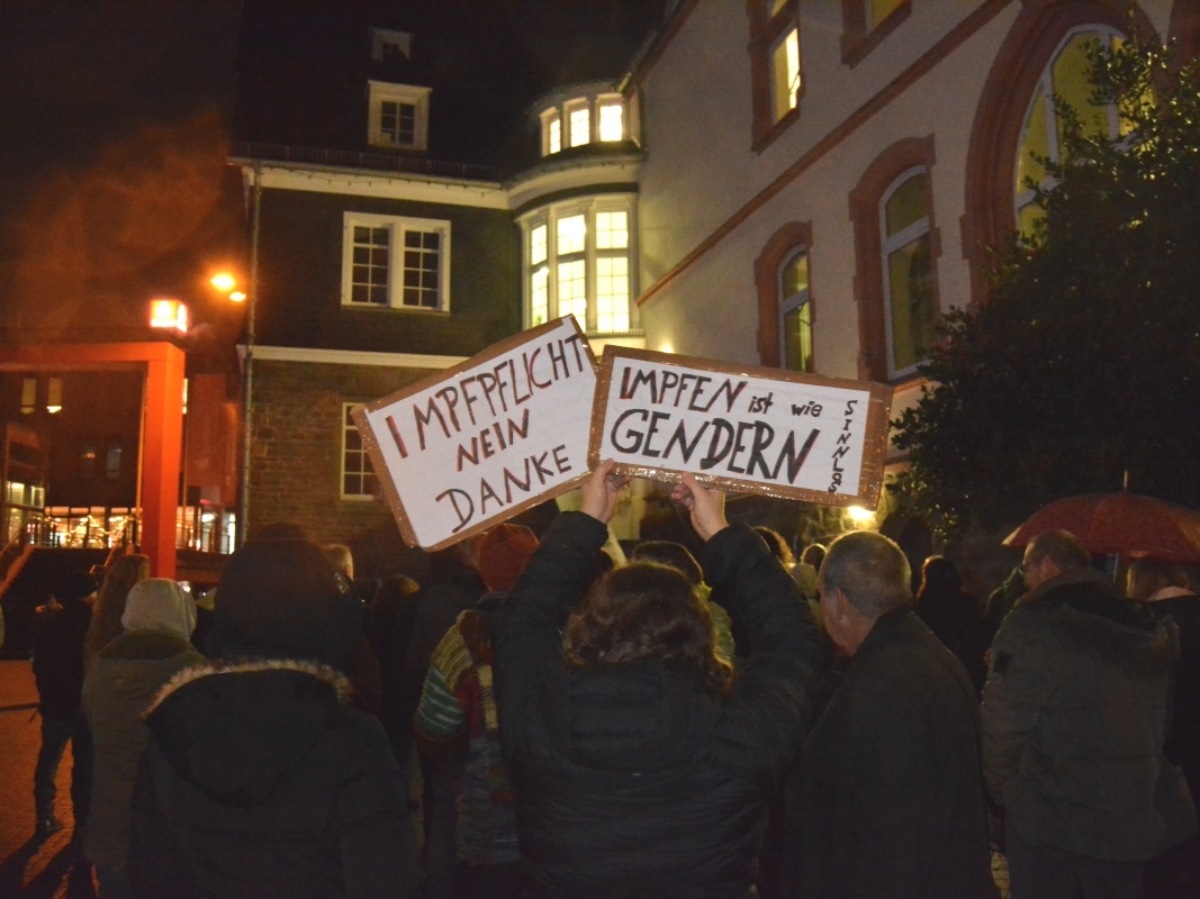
(642, 765)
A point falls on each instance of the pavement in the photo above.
(55, 868)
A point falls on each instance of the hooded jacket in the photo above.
(1074, 721)
(262, 781)
(631, 778)
(158, 620)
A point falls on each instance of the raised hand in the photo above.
(707, 506)
(601, 490)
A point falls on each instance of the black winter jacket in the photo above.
(262, 781)
(889, 798)
(631, 779)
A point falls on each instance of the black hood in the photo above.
(235, 732)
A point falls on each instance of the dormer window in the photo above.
(399, 116)
(387, 44)
(577, 121)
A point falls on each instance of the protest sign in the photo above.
(472, 446)
(747, 429)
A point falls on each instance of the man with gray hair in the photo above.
(889, 798)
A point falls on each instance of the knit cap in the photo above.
(283, 599)
(159, 604)
(503, 554)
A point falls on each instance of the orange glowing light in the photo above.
(169, 314)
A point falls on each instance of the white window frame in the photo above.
(589, 255)
(412, 95)
(889, 244)
(361, 452)
(559, 116)
(397, 226)
(793, 302)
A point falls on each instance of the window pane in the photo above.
(422, 269)
(795, 275)
(785, 74)
(612, 294)
(612, 121)
(572, 291)
(612, 230)
(539, 296)
(910, 285)
(554, 135)
(906, 205)
(878, 10)
(1069, 73)
(537, 245)
(358, 477)
(572, 234)
(1035, 144)
(797, 339)
(581, 126)
(370, 254)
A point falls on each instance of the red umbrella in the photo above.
(1129, 524)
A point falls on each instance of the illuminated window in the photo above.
(396, 263)
(87, 460)
(611, 120)
(578, 263)
(795, 314)
(579, 124)
(785, 74)
(909, 309)
(581, 120)
(358, 477)
(1066, 77)
(551, 132)
(776, 68)
(398, 116)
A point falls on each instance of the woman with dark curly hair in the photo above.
(642, 764)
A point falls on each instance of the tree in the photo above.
(1084, 363)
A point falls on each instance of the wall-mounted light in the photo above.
(860, 515)
(169, 314)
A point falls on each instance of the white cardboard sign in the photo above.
(478, 443)
(752, 429)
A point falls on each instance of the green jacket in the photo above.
(1074, 719)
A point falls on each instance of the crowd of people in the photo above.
(542, 717)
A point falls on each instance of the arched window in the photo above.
(908, 307)
(1066, 77)
(795, 314)
(1013, 119)
(785, 305)
(896, 247)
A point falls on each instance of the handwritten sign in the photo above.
(749, 429)
(478, 443)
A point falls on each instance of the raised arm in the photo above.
(528, 632)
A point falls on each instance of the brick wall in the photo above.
(296, 458)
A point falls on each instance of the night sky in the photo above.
(119, 118)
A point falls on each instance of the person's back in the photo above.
(640, 772)
(1074, 714)
(262, 779)
(157, 619)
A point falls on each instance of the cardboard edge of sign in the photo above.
(870, 481)
(386, 484)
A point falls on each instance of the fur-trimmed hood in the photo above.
(1086, 613)
(235, 729)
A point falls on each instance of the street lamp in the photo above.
(227, 283)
